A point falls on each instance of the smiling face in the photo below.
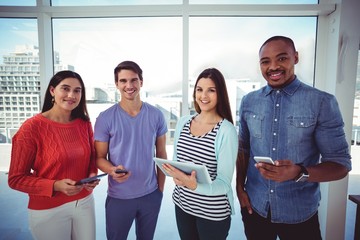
(67, 94)
(277, 63)
(205, 94)
(129, 84)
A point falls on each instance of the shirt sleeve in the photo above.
(100, 129)
(330, 135)
(23, 155)
(226, 145)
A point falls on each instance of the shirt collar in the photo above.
(289, 89)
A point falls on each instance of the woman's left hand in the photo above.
(91, 185)
(180, 178)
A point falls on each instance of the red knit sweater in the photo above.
(44, 151)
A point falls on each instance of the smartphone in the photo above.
(264, 160)
(121, 171)
(90, 179)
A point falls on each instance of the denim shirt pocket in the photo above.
(301, 128)
(255, 124)
(301, 122)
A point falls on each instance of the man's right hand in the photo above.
(244, 199)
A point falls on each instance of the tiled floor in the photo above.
(14, 224)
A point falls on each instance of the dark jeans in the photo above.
(195, 228)
(120, 214)
(260, 228)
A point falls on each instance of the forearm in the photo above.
(241, 169)
(160, 175)
(327, 171)
(161, 179)
(104, 165)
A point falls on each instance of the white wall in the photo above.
(338, 44)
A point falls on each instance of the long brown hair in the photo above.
(223, 104)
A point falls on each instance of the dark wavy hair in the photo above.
(80, 111)
(223, 104)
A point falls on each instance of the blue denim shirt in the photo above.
(300, 123)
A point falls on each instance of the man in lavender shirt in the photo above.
(127, 136)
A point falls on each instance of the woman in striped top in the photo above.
(203, 211)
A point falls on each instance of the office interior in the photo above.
(335, 64)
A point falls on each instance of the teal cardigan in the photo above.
(226, 148)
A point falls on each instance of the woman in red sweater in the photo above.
(50, 153)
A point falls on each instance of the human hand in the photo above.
(120, 177)
(281, 171)
(91, 185)
(244, 199)
(67, 186)
(180, 178)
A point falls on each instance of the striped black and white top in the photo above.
(200, 150)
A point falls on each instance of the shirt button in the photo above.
(278, 91)
(277, 104)
(274, 134)
(302, 124)
(254, 116)
(275, 119)
(274, 149)
(271, 191)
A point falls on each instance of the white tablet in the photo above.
(202, 174)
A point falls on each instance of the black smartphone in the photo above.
(121, 171)
(90, 179)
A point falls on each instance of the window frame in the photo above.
(45, 13)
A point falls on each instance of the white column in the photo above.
(337, 56)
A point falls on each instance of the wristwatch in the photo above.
(304, 174)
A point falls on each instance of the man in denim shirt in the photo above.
(301, 129)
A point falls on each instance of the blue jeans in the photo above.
(120, 214)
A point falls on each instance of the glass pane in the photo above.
(19, 74)
(17, 2)
(253, 2)
(112, 2)
(95, 46)
(231, 44)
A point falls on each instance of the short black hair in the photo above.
(287, 40)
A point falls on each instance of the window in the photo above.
(231, 44)
(17, 2)
(171, 45)
(21, 37)
(93, 48)
(112, 2)
(253, 2)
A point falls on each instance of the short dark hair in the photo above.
(223, 104)
(128, 65)
(80, 111)
(287, 40)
